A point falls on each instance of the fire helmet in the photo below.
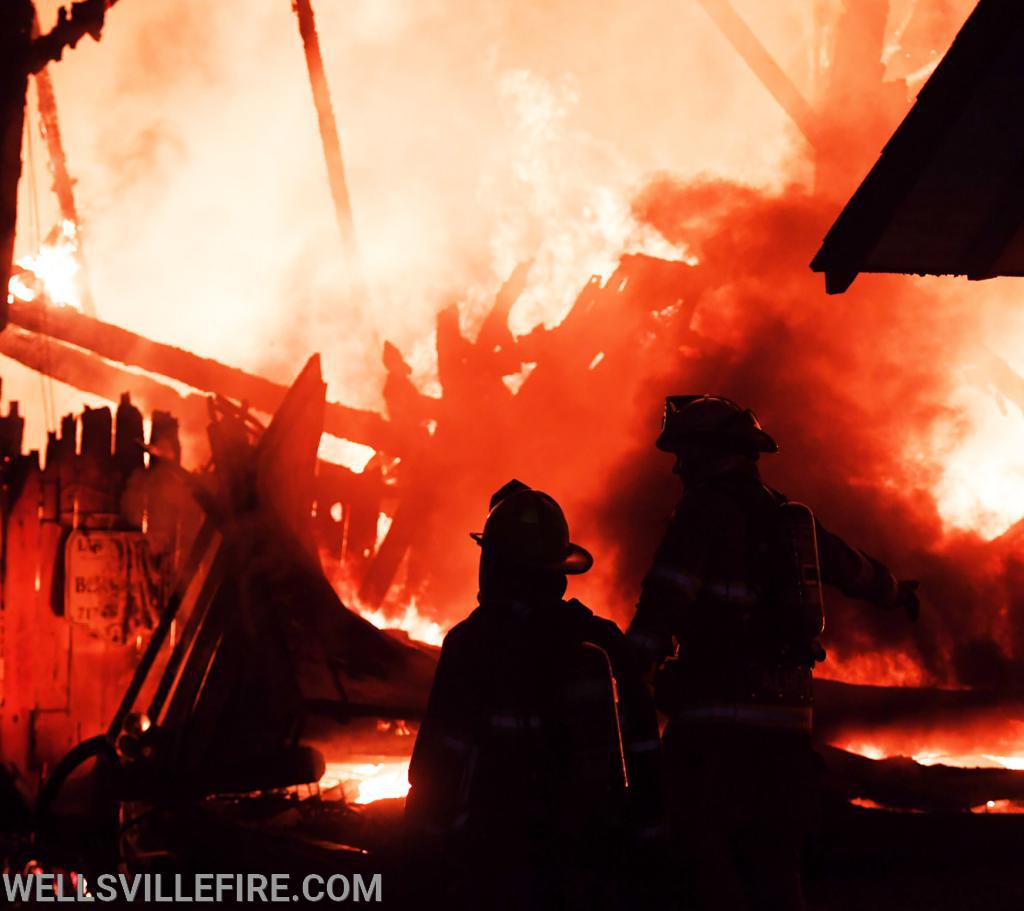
(711, 419)
(527, 528)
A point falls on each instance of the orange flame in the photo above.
(875, 668)
(992, 746)
(407, 619)
(406, 616)
(55, 268)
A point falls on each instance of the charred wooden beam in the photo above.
(901, 783)
(380, 574)
(764, 66)
(116, 344)
(86, 17)
(329, 135)
(840, 707)
(843, 709)
(92, 374)
(495, 333)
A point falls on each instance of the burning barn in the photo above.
(223, 590)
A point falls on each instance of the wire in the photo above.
(46, 384)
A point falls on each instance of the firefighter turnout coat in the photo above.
(536, 768)
(721, 589)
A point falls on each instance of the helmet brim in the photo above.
(766, 442)
(762, 442)
(577, 560)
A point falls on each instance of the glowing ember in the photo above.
(56, 268)
(365, 782)
(866, 804)
(999, 806)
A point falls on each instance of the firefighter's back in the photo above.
(522, 760)
(738, 699)
(545, 819)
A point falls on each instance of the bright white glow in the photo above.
(19, 290)
(365, 782)
(383, 527)
(56, 266)
(514, 381)
(982, 456)
(407, 619)
(353, 456)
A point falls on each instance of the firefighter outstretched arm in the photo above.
(859, 575)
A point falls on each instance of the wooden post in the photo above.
(764, 66)
(329, 135)
(16, 19)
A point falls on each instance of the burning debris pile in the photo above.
(178, 627)
(492, 388)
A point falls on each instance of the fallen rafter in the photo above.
(67, 324)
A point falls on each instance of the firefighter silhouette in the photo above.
(535, 777)
(736, 585)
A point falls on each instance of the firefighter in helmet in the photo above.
(729, 615)
(536, 769)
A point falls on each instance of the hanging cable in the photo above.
(46, 386)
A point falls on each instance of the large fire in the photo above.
(898, 407)
(407, 619)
